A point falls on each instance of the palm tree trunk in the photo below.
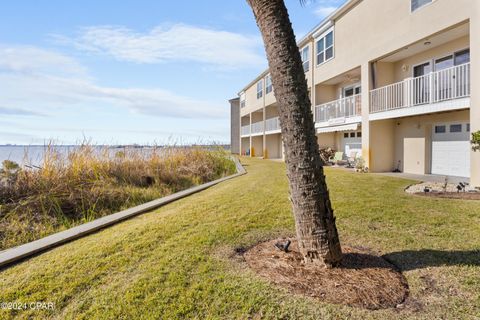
(314, 220)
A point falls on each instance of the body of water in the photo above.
(33, 155)
(25, 155)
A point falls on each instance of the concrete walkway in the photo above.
(424, 177)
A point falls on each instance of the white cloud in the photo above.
(28, 59)
(36, 79)
(177, 42)
(17, 112)
(324, 11)
(325, 7)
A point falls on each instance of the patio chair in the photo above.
(337, 158)
(352, 159)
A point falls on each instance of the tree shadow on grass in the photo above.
(417, 259)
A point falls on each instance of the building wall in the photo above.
(327, 140)
(385, 74)
(413, 139)
(245, 120)
(434, 53)
(475, 95)
(379, 36)
(245, 145)
(274, 146)
(257, 116)
(325, 93)
(381, 146)
(269, 98)
(235, 126)
(257, 145)
(271, 112)
(251, 102)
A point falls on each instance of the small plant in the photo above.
(445, 185)
(476, 141)
(9, 167)
(360, 165)
(9, 172)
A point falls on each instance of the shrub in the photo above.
(89, 182)
(476, 141)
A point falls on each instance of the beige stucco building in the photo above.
(390, 81)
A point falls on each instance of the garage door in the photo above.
(451, 149)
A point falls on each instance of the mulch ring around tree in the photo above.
(362, 280)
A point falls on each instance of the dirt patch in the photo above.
(451, 195)
(363, 279)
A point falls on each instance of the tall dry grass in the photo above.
(89, 182)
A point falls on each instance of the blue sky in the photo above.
(130, 71)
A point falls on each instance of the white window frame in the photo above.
(305, 62)
(242, 100)
(323, 37)
(268, 84)
(435, 58)
(352, 86)
(260, 89)
(464, 123)
(412, 9)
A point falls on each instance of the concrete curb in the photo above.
(10, 256)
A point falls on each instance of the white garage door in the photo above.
(451, 149)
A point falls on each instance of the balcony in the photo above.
(257, 128)
(339, 111)
(245, 131)
(272, 124)
(437, 91)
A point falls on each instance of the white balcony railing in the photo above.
(447, 84)
(257, 127)
(272, 124)
(342, 108)
(245, 130)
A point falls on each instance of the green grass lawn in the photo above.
(173, 263)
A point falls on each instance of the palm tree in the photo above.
(314, 220)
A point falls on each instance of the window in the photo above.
(259, 89)
(359, 134)
(325, 48)
(468, 127)
(268, 84)
(444, 63)
(416, 4)
(462, 57)
(242, 100)
(305, 54)
(456, 128)
(440, 129)
(352, 134)
(345, 135)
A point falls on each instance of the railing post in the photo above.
(386, 99)
(454, 77)
(432, 89)
(408, 92)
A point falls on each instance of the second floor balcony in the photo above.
(435, 89)
(257, 128)
(339, 111)
(272, 125)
